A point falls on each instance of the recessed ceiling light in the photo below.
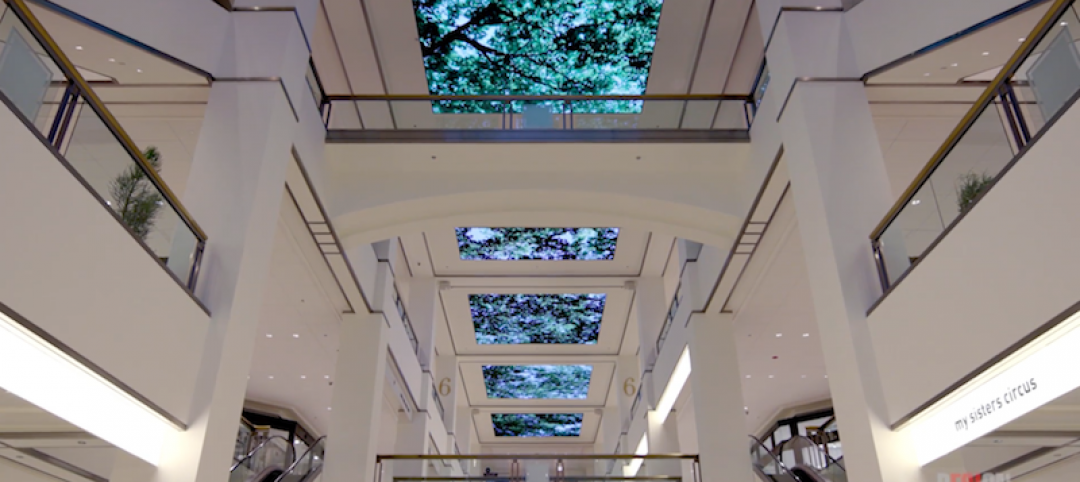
(296, 335)
(954, 64)
(770, 376)
(271, 377)
(269, 335)
(778, 335)
(138, 71)
(985, 54)
(112, 59)
(927, 74)
(328, 408)
(78, 47)
(748, 376)
(326, 377)
(1021, 39)
(915, 202)
(804, 376)
(826, 376)
(1063, 24)
(303, 376)
(805, 335)
(108, 203)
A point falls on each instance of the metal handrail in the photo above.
(251, 454)
(65, 65)
(1008, 70)
(757, 442)
(540, 457)
(529, 98)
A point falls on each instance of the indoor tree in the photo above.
(136, 199)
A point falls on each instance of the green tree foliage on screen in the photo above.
(537, 47)
(515, 244)
(545, 318)
(537, 381)
(537, 424)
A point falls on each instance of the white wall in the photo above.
(1008, 267)
(70, 268)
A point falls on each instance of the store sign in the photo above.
(965, 477)
(1036, 374)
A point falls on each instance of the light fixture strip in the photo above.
(674, 386)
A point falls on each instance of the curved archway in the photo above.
(537, 208)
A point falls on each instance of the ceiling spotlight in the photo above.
(78, 47)
(805, 335)
(138, 71)
(778, 335)
(112, 59)
(296, 335)
(328, 408)
(326, 377)
(804, 376)
(269, 335)
(108, 203)
(1063, 24)
(748, 376)
(927, 74)
(915, 202)
(770, 376)
(271, 377)
(1021, 39)
(954, 64)
(985, 54)
(826, 376)
(303, 376)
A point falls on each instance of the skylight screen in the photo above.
(537, 424)
(548, 318)
(538, 381)
(555, 47)
(516, 244)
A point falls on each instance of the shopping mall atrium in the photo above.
(539, 241)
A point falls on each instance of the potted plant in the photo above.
(136, 199)
(969, 187)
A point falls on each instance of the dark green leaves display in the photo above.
(537, 424)
(538, 381)
(547, 318)
(536, 47)
(537, 243)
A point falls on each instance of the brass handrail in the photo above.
(21, 10)
(1008, 70)
(532, 98)
(538, 457)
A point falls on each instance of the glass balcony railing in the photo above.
(41, 84)
(537, 467)
(497, 112)
(1038, 82)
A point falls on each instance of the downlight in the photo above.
(39, 373)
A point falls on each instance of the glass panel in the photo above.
(965, 172)
(1052, 73)
(99, 157)
(458, 114)
(313, 84)
(539, 115)
(28, 76)
(762, 86)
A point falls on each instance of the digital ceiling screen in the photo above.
(545, 244)
(550, 47)
(500, 319)
(537, 424)
(569, 382)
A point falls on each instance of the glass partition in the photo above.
(718, 112)
(1040, 80)
(40, 84)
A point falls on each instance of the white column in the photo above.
(663, 436)
(841, 191)
(357, 399)
(716, 385)
(412, 436)
(651, 304)
(422, 302)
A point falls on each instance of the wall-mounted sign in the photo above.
(1036, 374)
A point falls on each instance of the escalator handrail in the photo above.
(289, 447)
(296, 462)
(829, 461)
(779, 463)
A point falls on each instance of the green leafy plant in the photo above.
(135, 197)
(969, 187)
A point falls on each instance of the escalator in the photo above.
(809, 463)
(308, 466)
(797, 460)
(767, 466)
(265, 463)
